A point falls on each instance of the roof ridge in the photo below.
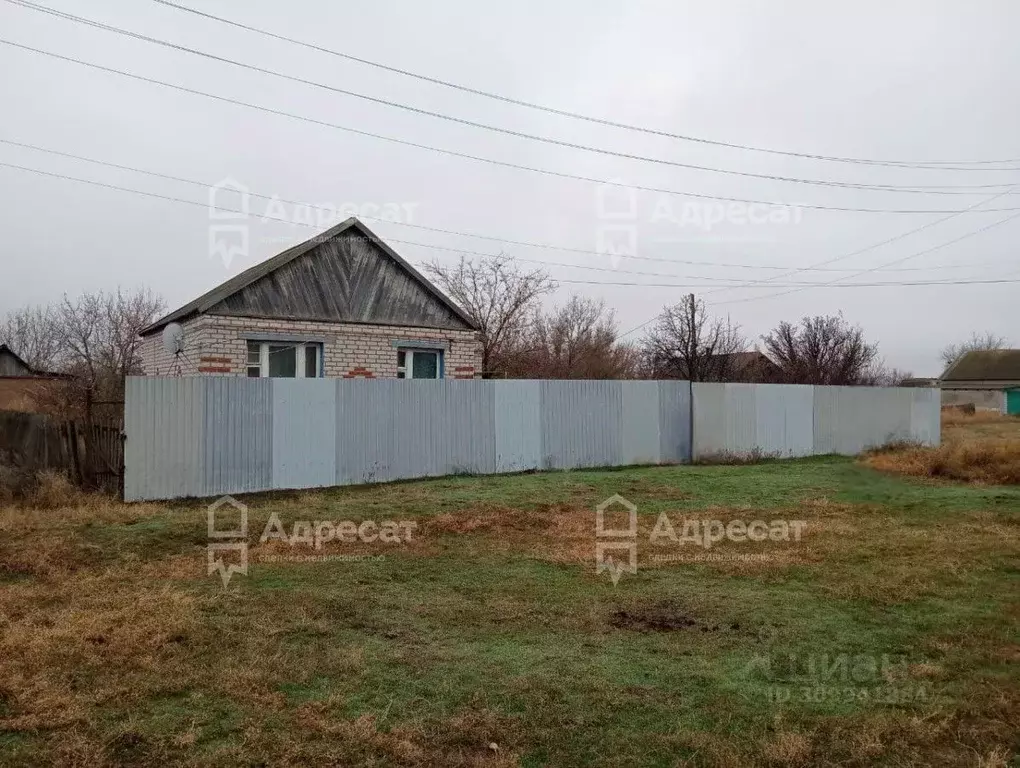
(243, 279)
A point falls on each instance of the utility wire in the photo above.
(826, 262)
(478, 158)
(893, 188)
(761, 283)
(834, 281)
(579, 282)
(956, 165)
(501, 240)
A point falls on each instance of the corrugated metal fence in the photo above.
(206, 436)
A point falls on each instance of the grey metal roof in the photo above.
(239, 282)
(985, 365)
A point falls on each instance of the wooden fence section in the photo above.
(92, 455)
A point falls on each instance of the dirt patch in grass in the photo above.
(661, 617)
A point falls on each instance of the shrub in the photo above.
(44, 490)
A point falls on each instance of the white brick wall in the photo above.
(213, 345)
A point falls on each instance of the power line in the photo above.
(500, 240)
(833, 282)
(892, 188)
(826, 262)
(170, 198)
(830, 283)
(957, 165)
(478, 158)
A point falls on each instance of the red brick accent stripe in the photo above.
(464, 369)
(224, 360)
(213, 369)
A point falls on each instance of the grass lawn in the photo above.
(887, 635)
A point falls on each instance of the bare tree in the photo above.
(821, 350)
(685, 343)
(880, 376)
(32, 333)
(499, 297)
(575, 341)
(988, 340)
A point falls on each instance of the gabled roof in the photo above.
(6, 350)
(239, 282)
(985, 365)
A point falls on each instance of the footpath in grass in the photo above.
(887, 634)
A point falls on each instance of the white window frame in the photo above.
(408, 366)
(299, 362)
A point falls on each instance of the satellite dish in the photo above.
(173, 339)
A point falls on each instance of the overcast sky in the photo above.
(911, 81)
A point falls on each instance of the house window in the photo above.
(419, 364)
(280, 360)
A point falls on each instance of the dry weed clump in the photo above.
(47, 489)
(985, 461)
(956, 417)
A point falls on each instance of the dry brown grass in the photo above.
(984, 461)
(979, 448)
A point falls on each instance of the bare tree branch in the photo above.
(977, 342)
(575, 341)
(499, 297)
(685, 343)
(822, 350)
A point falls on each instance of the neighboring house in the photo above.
(919, 382)
(994, 371)
(751, 367)
(342, 304)
(24, 388)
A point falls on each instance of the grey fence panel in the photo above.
(367, 432)
(238, 435)
(581, 423)
(849, 420)
(674, 421)
(740, 417)
(304, 433)
(775, 419)
(639, 439)
(164, 421)
(518, 425)
(926, 416)
(784, 423)
(206, 436)
(390, 430)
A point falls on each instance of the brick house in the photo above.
(342, 304)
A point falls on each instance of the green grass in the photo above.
(494, 636)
